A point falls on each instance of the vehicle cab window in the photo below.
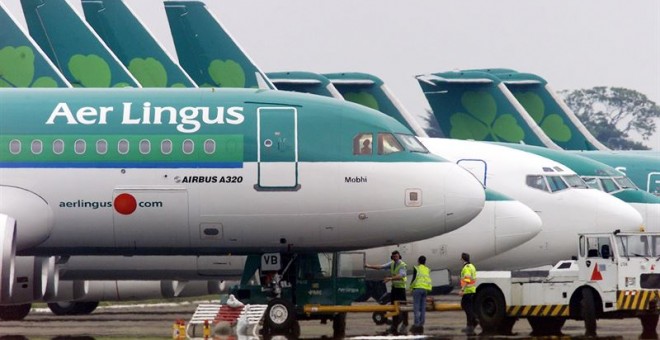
(556, 183)
(387, 144)
(411, 143)
(609, 185)
(362, 144)
(537, 182)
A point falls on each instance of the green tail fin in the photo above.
(549, 111)
(22, 62)
(207, 52)
(137, 49)
(370, 91)
(476, 105)
(73, 46)
(305, 82)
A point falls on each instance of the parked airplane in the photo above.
(477, 104)
(605, 178)
(73, 46)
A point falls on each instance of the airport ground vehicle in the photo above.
(288, 282)
(615, 275)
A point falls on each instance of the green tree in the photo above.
(611, 113)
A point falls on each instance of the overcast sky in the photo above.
(572, 44)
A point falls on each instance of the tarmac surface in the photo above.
(155, 322)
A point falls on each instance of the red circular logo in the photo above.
(125, 204)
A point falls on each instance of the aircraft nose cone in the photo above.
(515, 224)
(614, 213)
(464, 199)
(648, 205)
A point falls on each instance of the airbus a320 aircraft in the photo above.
(194, 172)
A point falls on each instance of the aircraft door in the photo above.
(277, 155)
(478, 168)
(150, 218)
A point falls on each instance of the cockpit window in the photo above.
(411, 143)
(592, 182)
(362, 144)
(574, 181)
(387, 144)
(608, 185)
(556, 183)
(625, 183)
(537, 182)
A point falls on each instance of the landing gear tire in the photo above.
(546, 325)
(649, 326)
(588, 309)
(490, 308)
(339, 326)
(280, 316)
(62, 308)
(85, 308)
(380, 319)
(15, 312)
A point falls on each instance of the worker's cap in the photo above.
(465, 257)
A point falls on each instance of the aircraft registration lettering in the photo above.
(188, 119)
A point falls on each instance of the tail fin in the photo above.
(476, 105)
(73, 46)
(305, 82)
(207, 52)
(370, 91)
(137, 49)
(549, 111)
(23, 63)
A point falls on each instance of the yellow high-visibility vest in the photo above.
(394, 270)
(469, 279)
(422, 278)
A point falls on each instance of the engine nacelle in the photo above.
(33, 216)
(7, 254)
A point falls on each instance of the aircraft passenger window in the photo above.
(411, 143)
(36, 147)
(388, 144)
(537, 182)
(166, 147)
(145, 146)
(556, 183)
(362, 144)
(122, 146)
(609, 185)
(209, 146)
(188, 146)
(625, 183)
(593, 183)
(101, 146)
(79, 146)
(574, 181)
(15, 146)
(58, 146)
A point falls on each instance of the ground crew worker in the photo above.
(420, 286)
(398, 272)
(468, 288)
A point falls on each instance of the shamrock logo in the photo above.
(226, 74)
(552, 124)
(362, 98)
(17, 68)
(482, 120)
(91, 71)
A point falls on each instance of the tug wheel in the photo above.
(280, 315)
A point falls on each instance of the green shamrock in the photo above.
(90, 71)
(482, 120)
(17, 68)
(149, 72)
(227, 73)
(363, 98)
(552, 124)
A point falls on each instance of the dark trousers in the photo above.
(467, 303)
(399, 294)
